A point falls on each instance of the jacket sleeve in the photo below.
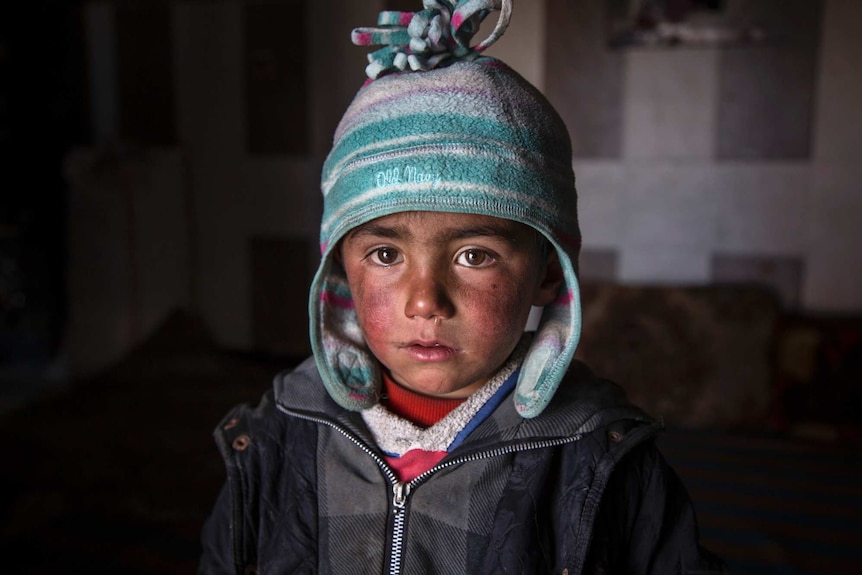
(646, 523)
(216, 541)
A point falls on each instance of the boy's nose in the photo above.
(428, 297)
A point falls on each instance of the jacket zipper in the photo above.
(401, 491)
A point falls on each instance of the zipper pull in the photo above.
(400, 491)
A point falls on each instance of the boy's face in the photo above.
(442, 299)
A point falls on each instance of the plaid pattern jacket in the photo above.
(579, 489)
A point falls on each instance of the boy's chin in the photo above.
(440, 388)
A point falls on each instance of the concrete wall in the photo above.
(663, 205)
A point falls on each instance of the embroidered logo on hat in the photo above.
(406, 175)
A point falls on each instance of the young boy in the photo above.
(430, 432)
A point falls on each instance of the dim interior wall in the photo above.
(240, 195)
(209, 84)
(834, 262)
(522, 46)
(838, 137)
(213, 194)
(583, 79)
(671, 202)
(128, 251)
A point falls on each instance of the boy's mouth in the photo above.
(429, 350)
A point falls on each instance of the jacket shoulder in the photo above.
(250, 427)
(270, 460)
(245, 423)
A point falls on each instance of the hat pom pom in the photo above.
(423, 40)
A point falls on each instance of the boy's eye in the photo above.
(385, 256)
(474, 258)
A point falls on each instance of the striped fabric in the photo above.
(771, 506)
(471, 137)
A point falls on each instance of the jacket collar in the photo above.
(583, 403)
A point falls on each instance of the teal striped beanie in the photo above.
(461, 133)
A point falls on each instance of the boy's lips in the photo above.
(429, 351)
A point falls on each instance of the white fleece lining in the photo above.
(396, 435)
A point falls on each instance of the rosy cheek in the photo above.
(494, 309)
(373, 309)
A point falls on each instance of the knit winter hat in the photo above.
(459, 133)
